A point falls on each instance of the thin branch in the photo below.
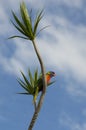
(38, 108)
(41, 65)
(35, 106)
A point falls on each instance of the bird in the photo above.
(34, 85)
(48, 77)
(39, 85)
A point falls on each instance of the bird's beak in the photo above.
(54, 74)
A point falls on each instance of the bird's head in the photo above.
(51, 74)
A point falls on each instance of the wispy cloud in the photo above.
(66, 47)
(63, 45)
(72, 3)
(69, 123)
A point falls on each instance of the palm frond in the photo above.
(22, 84)
(25, 79)
(35, 76)
(19, 28)
(42, 30)
(24, 93)
(25, 25)
(18, 37)
(26, 18)
(37, 20)
(20, 24)
(31, 78)
(29, 85)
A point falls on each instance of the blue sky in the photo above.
(63, 48)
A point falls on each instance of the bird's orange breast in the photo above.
(47, 78)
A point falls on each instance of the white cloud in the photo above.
(11, 65)
(63, 46)
(70, 123)
(68, 51)
(76, 89)
(77, 3)
(69, 3)
(12, 4)
(22, 58)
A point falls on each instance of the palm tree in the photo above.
(29, 31)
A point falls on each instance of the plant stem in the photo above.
(41, 65)
(38, 108)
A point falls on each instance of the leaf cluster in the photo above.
(24, 25)
(31, 84)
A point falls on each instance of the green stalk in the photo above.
(38, 107)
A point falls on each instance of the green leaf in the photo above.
(18, 37)
(18, 28)
(22, 84)
(26, 19)
(37, 20)
(26, 80)
(31, 78)
(25, 15)
(42, 29)
(35, 94)
(30, 16)
(20, 25)
(29, 85)
(24, 93)
(35, 76)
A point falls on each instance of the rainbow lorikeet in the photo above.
(49, 75)
(39, 87)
